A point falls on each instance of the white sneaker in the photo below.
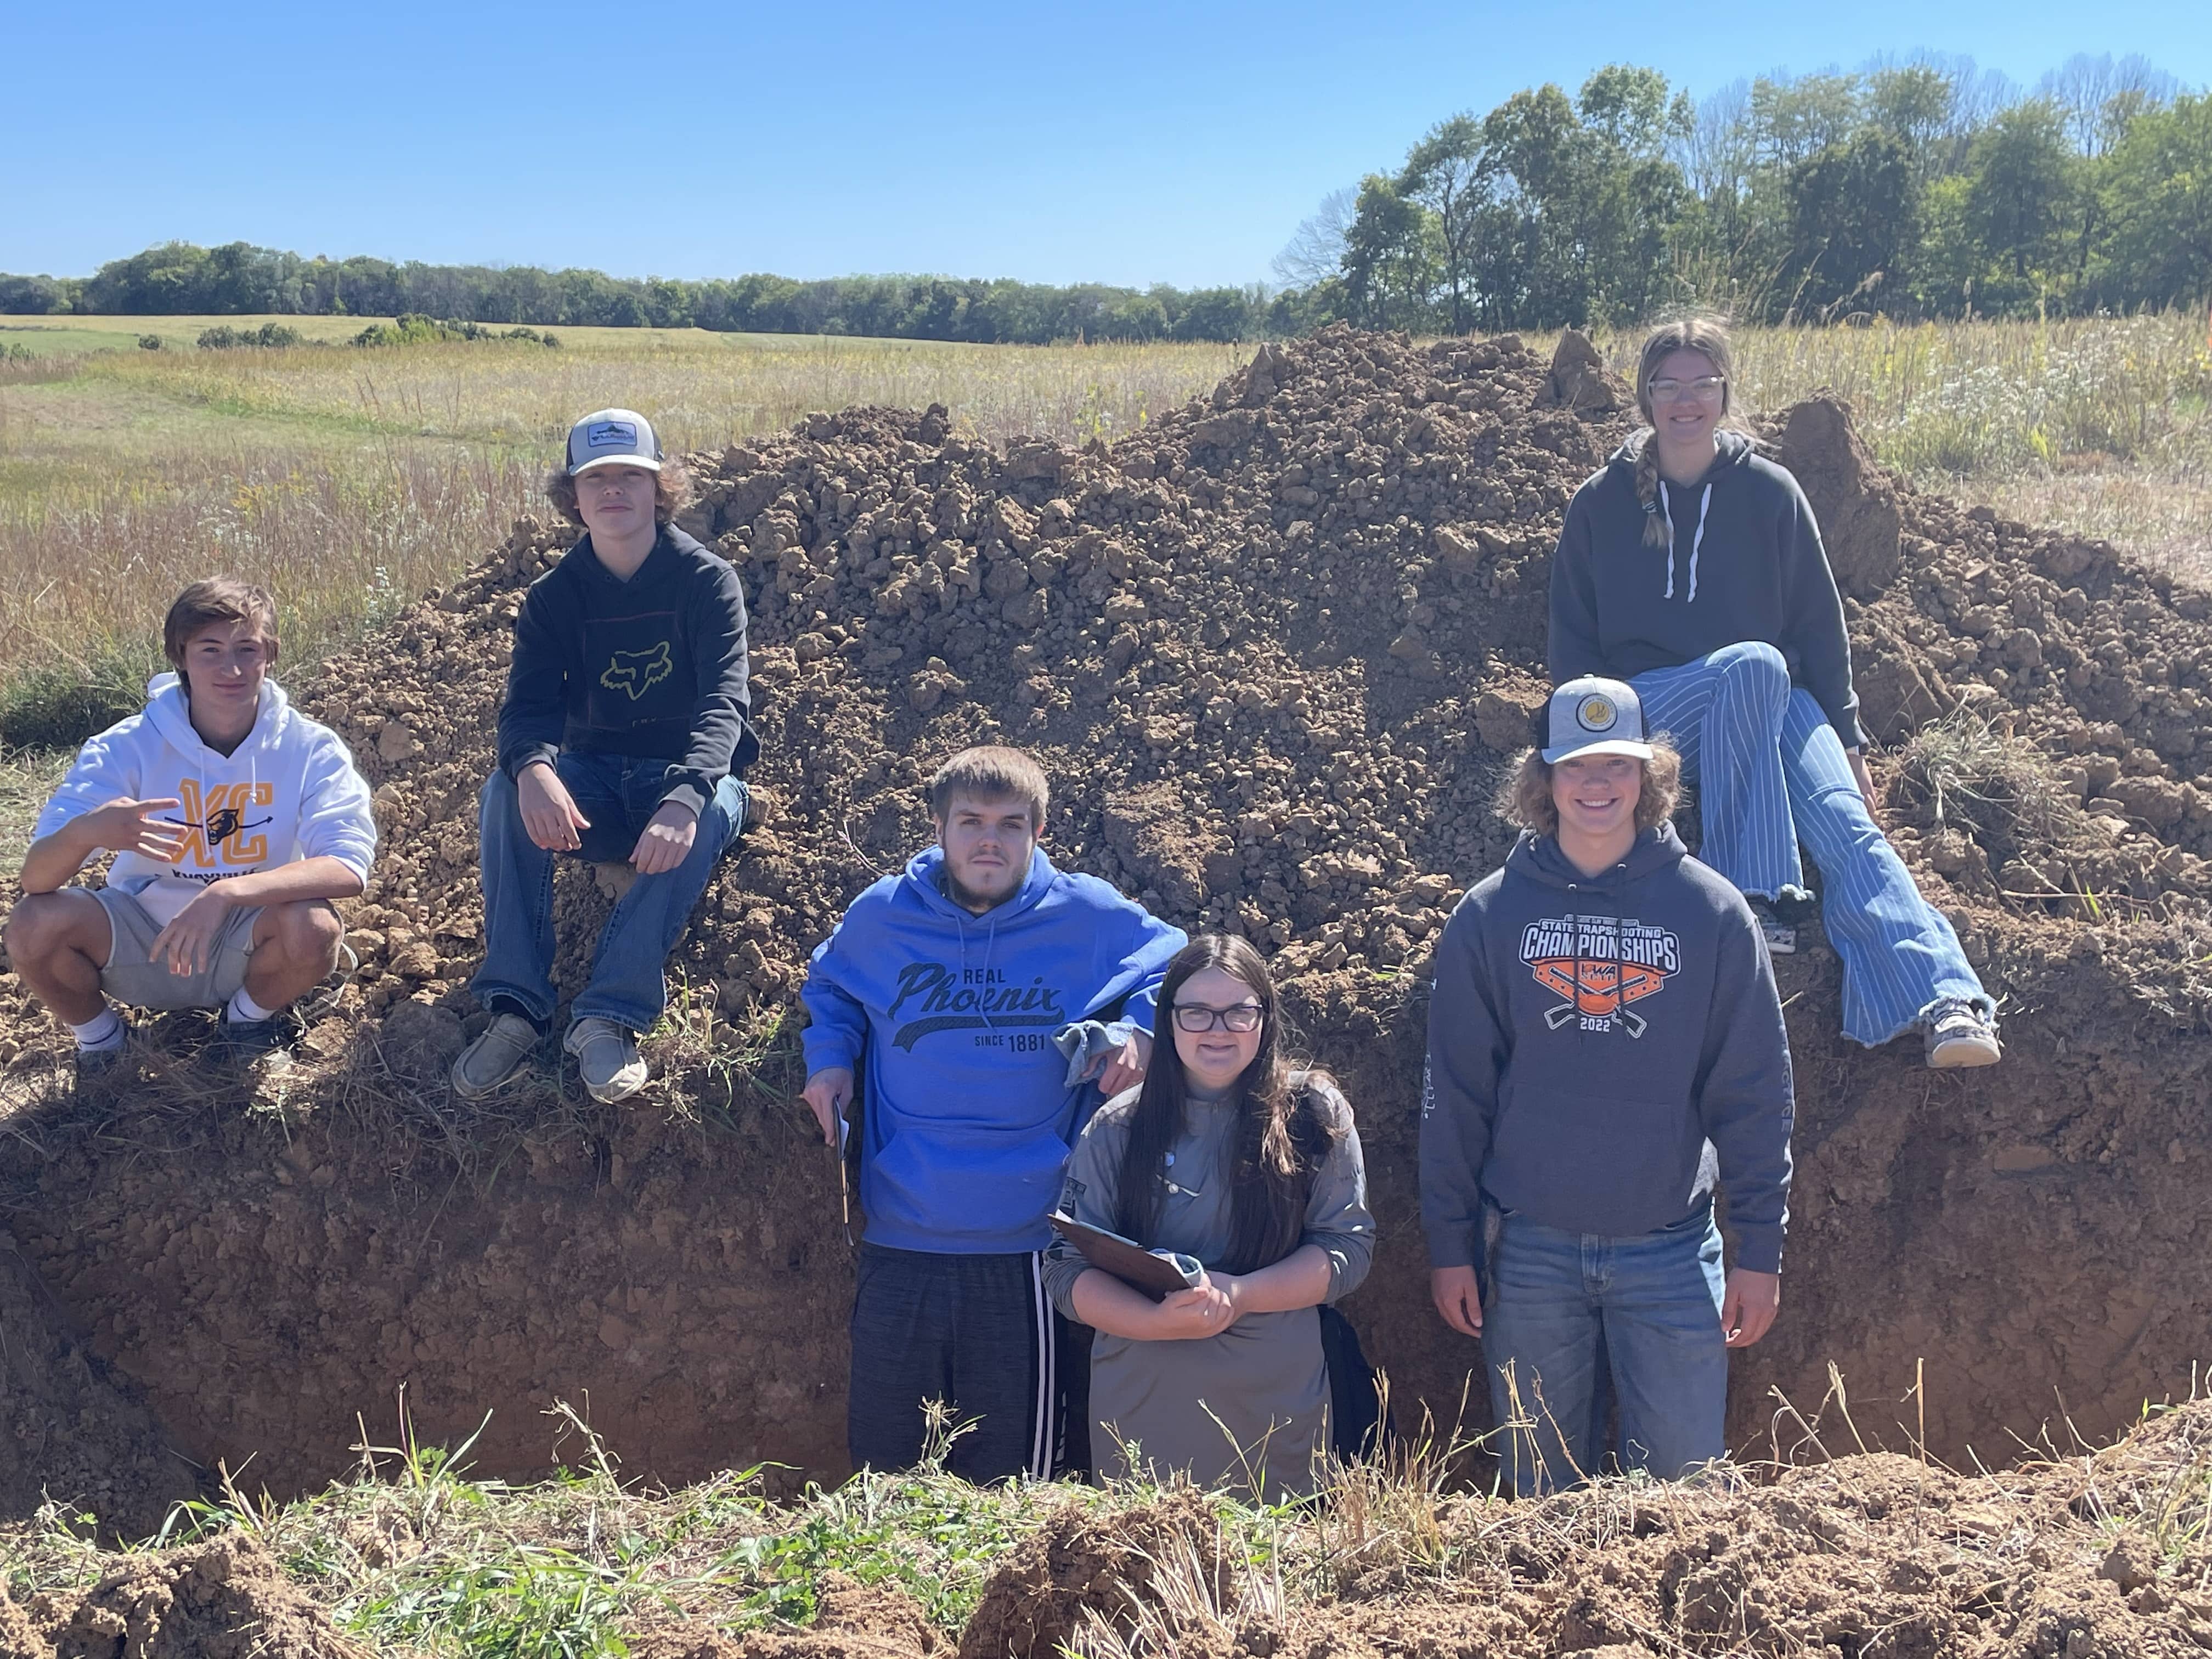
(1960, 1034)
(607, 1056)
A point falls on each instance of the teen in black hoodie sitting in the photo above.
(1692, 568)
(1605, 1043)
(623, 739)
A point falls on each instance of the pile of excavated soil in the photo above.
(225, 1599)
(1275, 650)
(1869, 1554)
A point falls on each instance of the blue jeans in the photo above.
(617, 795)
(1769, 770)
(1649, 1308)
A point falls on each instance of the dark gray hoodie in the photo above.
(1746, 564)
(1600, 1049)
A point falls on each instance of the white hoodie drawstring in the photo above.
(1697, 538)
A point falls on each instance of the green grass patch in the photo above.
(59, 702)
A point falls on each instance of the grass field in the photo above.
(350, 481)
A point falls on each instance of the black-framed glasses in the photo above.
(1196, 1017)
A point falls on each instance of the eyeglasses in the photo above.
(1196, 1017)
(1705, 388)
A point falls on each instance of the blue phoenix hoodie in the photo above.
(969, 1118)
(1600, 1047)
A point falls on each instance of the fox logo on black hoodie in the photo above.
(638, 671)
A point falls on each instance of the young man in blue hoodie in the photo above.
(1605, 1044)
(234, 820)
(950, 987)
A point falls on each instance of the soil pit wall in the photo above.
(1275, 652)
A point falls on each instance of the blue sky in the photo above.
(1134, 142)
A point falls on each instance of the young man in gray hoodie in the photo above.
(1604, 1046)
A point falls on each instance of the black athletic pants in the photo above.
(978, 1333)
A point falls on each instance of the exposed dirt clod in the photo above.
(225, 1599)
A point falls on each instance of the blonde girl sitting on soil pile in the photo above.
(1227, 1155)
(1692, 568)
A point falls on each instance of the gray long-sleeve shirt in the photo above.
(1248, 1407)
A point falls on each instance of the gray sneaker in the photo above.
(1960, 1034)
(494, 1057)
(607, 1056)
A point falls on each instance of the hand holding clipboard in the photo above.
(1156, 1273)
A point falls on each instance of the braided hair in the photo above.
(1707, 335)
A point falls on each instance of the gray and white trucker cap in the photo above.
(1595, 716)
(611, 436)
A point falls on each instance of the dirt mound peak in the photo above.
(1579, 382)
(1855, 501)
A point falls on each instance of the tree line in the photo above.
(1921, 188)
(181, 279)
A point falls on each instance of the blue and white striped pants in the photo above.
(1769, 770)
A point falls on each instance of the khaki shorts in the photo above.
(131, 975)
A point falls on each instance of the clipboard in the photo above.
(1158, 1273)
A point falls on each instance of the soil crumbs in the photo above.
(225, 1599)
(1868, 1555)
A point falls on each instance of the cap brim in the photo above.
(645, 461)
(1603, 746)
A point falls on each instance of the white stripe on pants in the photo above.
(1769, 770)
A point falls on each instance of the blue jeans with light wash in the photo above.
(617, 795)
(1647, 1309)
(1770, 771)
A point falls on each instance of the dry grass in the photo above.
(2102, 426)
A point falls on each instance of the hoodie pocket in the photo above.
(966, 1185)
(1599, 1164)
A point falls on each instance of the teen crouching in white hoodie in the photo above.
(234, 820)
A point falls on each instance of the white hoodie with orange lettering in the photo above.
(288, 792)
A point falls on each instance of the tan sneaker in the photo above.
(607, 1056)
(1959, 1035)
(494, 1057)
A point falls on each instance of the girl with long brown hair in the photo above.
(1691, 567)
(1227, 1154)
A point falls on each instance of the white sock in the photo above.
(245, 1011)
(102, 1031)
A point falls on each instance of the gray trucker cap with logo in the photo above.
(611, 436)
(1595, 716)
